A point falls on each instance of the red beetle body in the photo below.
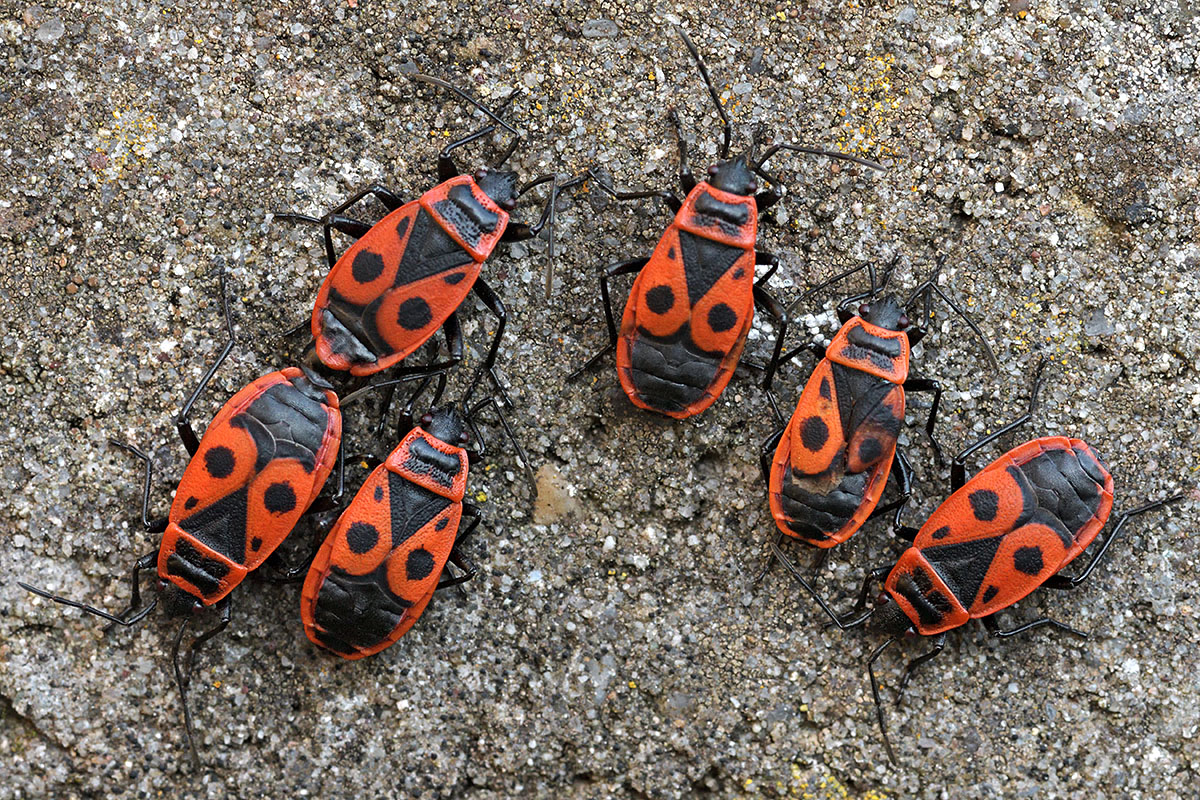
(378, 568)
(691, 306)
(395, 286)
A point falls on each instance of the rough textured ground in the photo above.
(614, 645)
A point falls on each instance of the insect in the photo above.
(826, 467)
(406, 275)
(1011, 528)
(691, 306)
(259, 467)
(378, 568)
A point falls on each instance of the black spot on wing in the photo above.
(402, 227)
(985, 504)
(814, 433)
(1028, 560)
(660, 299)
(870, 449)
(990, 593)
(419, 565)
(361, 537)
(414, 314)
(721, 318)
(219, 461)
(367, 266)
(279, 498)
(941, 533)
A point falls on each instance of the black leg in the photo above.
(872, 577)
(993, 628)
(147, 561)
(928, 385)
(875, 694)
(493, 304)
(623, 268)
(445, 166)
(939, 642)
(903, 473)
(795, 572)
(225, 607)
(764, 259)
(670, 198)
(470, 416)
(771, 306)
(152, 527)
(183, 674)
(1061, 581)
(958, 467)
(190, 440)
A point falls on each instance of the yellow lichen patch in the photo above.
(874, 101)
(125, 140)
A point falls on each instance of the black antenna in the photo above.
(417, 76)
(136, 618)
(728, 128)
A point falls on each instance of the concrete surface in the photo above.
(614, 645)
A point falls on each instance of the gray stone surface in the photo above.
(613, 645)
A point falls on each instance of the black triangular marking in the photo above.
(412, 507)
(429, 250)
(963, 565)
(221, 526)
(704, 262)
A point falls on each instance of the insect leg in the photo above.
(958, 467)
(190, 440)
(929, 385)
(493, 304)
(147, 561)
(670, 198)
(771, 306)
(939, 642)
(904, 478)
(686, 179)
(993, 628)
(622, 268)
(1061, 581)
(875, 694)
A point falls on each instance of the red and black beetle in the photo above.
(380, 565)
(1011, 528)
(259, 467)
(826, 467)
(406, 275)
(691, 306)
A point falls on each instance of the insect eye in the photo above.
(427, 419)
(464, 437)
(752, 188)
(162, 585)
(903, 321)
(713, 170)
(509, 205)
(863, 310)
(881, 598)
(481, 173)
(197, 607)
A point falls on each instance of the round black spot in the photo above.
(219, 461)
(941, 533)
(361, 537)
(814, 434)
(660, 299)
(279, 498)
(990, 593)
(1028, 560)
(378, 494)
(367, 266)
(414, 314)
(870, 449)
(255, 543)
(419, 564)
(190, 503)
(442, 523)
(984, 503)
(721, 318)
